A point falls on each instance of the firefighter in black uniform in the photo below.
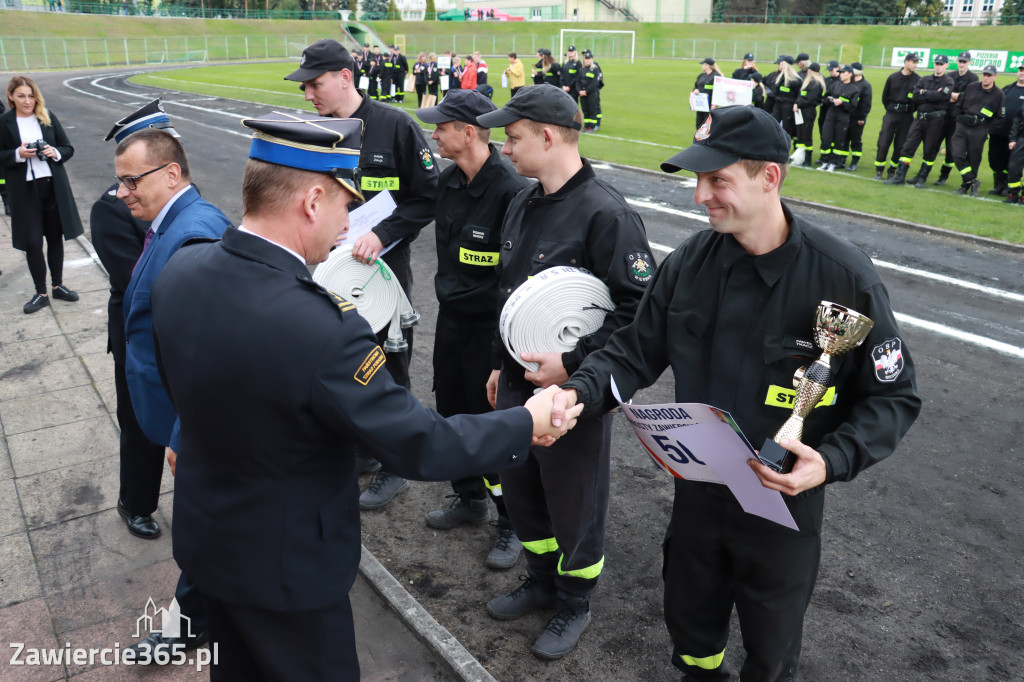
(387, 70)
(570, 75)
(467, 229)
(732, 312)
(999, 134)
(558, 503)
(769, 84)
(704, 85)
(859, 117)
(832, 77)
(843, 97)
(373, 76)
(590, 83)
(757, 97)
(898, 101)
(399, 70)
(787, 90)
(931, 98)
(747, 69)
(537, 73)
(1016, 164)
(976, 109)
(394, 157)
(961, 79)
(266, 482)
(812, 92)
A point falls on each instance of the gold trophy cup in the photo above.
(837, 330)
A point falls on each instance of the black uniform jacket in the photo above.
(118, 238)
(591, 79)
(810, 94)
(898, 91)
(875, 399)
(571, 73)
(468, 233)
(275, 381)
(1013, 101)
(863, 108)
(553, 75)
(978, 101)
(17, 184)
(705, 84)
(960, 83)
(395, 157)
(586, 224)
(1017, 127)
(932, 93)
(848, 95)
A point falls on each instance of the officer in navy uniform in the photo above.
(467, 229)
(731, 312)
(394, 157)
(275, 379)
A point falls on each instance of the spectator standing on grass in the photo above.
(812, 91)
(455, 74)
(931, 99)
(705, 85)
(999, 134)
(419, 74)
(469, 74)
(433, 75)
(516, 73)
(860, 117)
(898, 102)
(481, 68)
(961, 79)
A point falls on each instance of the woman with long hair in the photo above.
(419, 71)
(811, 93)
(552, 70)
(787, 89)
(33, 150)
(705, 85)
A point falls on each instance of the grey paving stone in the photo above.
(19, 579)
(100, 366)
(108, 394)
(48, 348)
(66, 562)
(85, 277)
(65, 445)
(6, 468)
(35, 377)
(53, 408)
(75, 317)
(28, 623)
(18, 326)
(11, 520)
(88, 341)
(69, 492)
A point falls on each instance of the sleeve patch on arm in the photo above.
(373, 362)
(426, 159)
(641, 266)
(888, 359)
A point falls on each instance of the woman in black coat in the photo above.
(42, 205)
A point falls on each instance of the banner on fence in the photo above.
(1005, 62)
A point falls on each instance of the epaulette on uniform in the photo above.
(343, 305)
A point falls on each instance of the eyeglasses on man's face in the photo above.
(131, 182)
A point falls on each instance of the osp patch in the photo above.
(703, 132)
(888, 358)
(641, 267)
(426, 159)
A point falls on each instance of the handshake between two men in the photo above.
(550, 421)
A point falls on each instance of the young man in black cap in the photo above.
(731, 312)
(590, 83)
(898, 101)
(961, 79)
(276, 378)
(394, 158)
(976, 109)
(558, 501)
(859, 117)
(473, 195)
(999, 134)
(931, 99)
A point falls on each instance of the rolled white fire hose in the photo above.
(551, 311)
(373, 290)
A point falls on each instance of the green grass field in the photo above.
(647, 119)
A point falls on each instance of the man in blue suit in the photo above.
(154, 183)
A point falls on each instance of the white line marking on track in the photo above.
(964, 284)
(641, 203)
(961, 335)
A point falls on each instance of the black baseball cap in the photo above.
(730, 134)
(587, 54)
(319, 58)
(911, 57)
(542, 103)
(989, 70)
(802, 57)
(366, 44)
(749, 57)
(708, 60)
(857, 66)
(572, 48)
(942, 59)
(458, 105)
(814, 66)
(832, 64)
(964, 56)
(847, 69)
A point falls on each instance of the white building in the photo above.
(973, 12)
(690, 11)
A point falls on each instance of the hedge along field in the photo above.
(647, 119)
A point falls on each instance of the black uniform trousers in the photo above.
(558, 499)
(591, 106)
(1015, 167)
(834, 136)
(930, 132)
(462, 365)
(256, 645)
(895, 127)
(710, 540)
(999, 154)
(948, 128)
(968, 143)
(42, 220)
(855, 136)
(142, 460)
(805, 131)
(193, 605)
(782, 110)
(398, 81)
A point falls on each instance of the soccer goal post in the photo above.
(614, 44)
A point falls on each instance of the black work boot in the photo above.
(462, 510)
(999, 186)
(853, 166)
(382, 490)
(572, 616)
(890, 172)
(943, 175)
(964, 188)
(878, 172)
(506, 550)
(922, 176)
(975, 187)
(1013, 197)
(901, 175)
(527, 598)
